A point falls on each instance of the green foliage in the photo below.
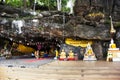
(64, 3)
(51, 4)
(107, 21)
(64, 9)
(14, 3)
(41, 28)
(117, 24)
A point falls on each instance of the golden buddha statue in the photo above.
(56, 53)
(62, 55)
(71, 55)
(112, 44)
(89, 54)
(89, 50)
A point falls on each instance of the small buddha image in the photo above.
(56, 54)
(71, 55)
(112, 44)
(62, 55)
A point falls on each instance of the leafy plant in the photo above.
(117, 24)
(14, 3)
(51, 4)
(107, 21)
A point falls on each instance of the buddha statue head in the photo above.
(63, 50)
(89, 46)
(70, 51)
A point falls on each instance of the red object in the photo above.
(71, 59)
(76, 57)
(33, 60)
(63, 59)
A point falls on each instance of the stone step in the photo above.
(77, 68)
(67, 71)
(60, 71)
(82, 64)
(41, 78)
(26, 73)
(64, 75)
(31, 76)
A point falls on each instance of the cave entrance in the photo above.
(79, 47)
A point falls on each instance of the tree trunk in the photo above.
(24, 4)
(31, 3)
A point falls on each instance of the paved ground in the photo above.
(63, 70)
(27, 68)
(24, 62)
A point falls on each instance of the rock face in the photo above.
(109, 7)
(87, 23)
(116, 10)
(88, 32)
(49, 28)
(98, 49)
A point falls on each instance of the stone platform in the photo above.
(115, 54)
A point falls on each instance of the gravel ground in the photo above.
(24, 62)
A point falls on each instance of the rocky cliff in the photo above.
(90, 21)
